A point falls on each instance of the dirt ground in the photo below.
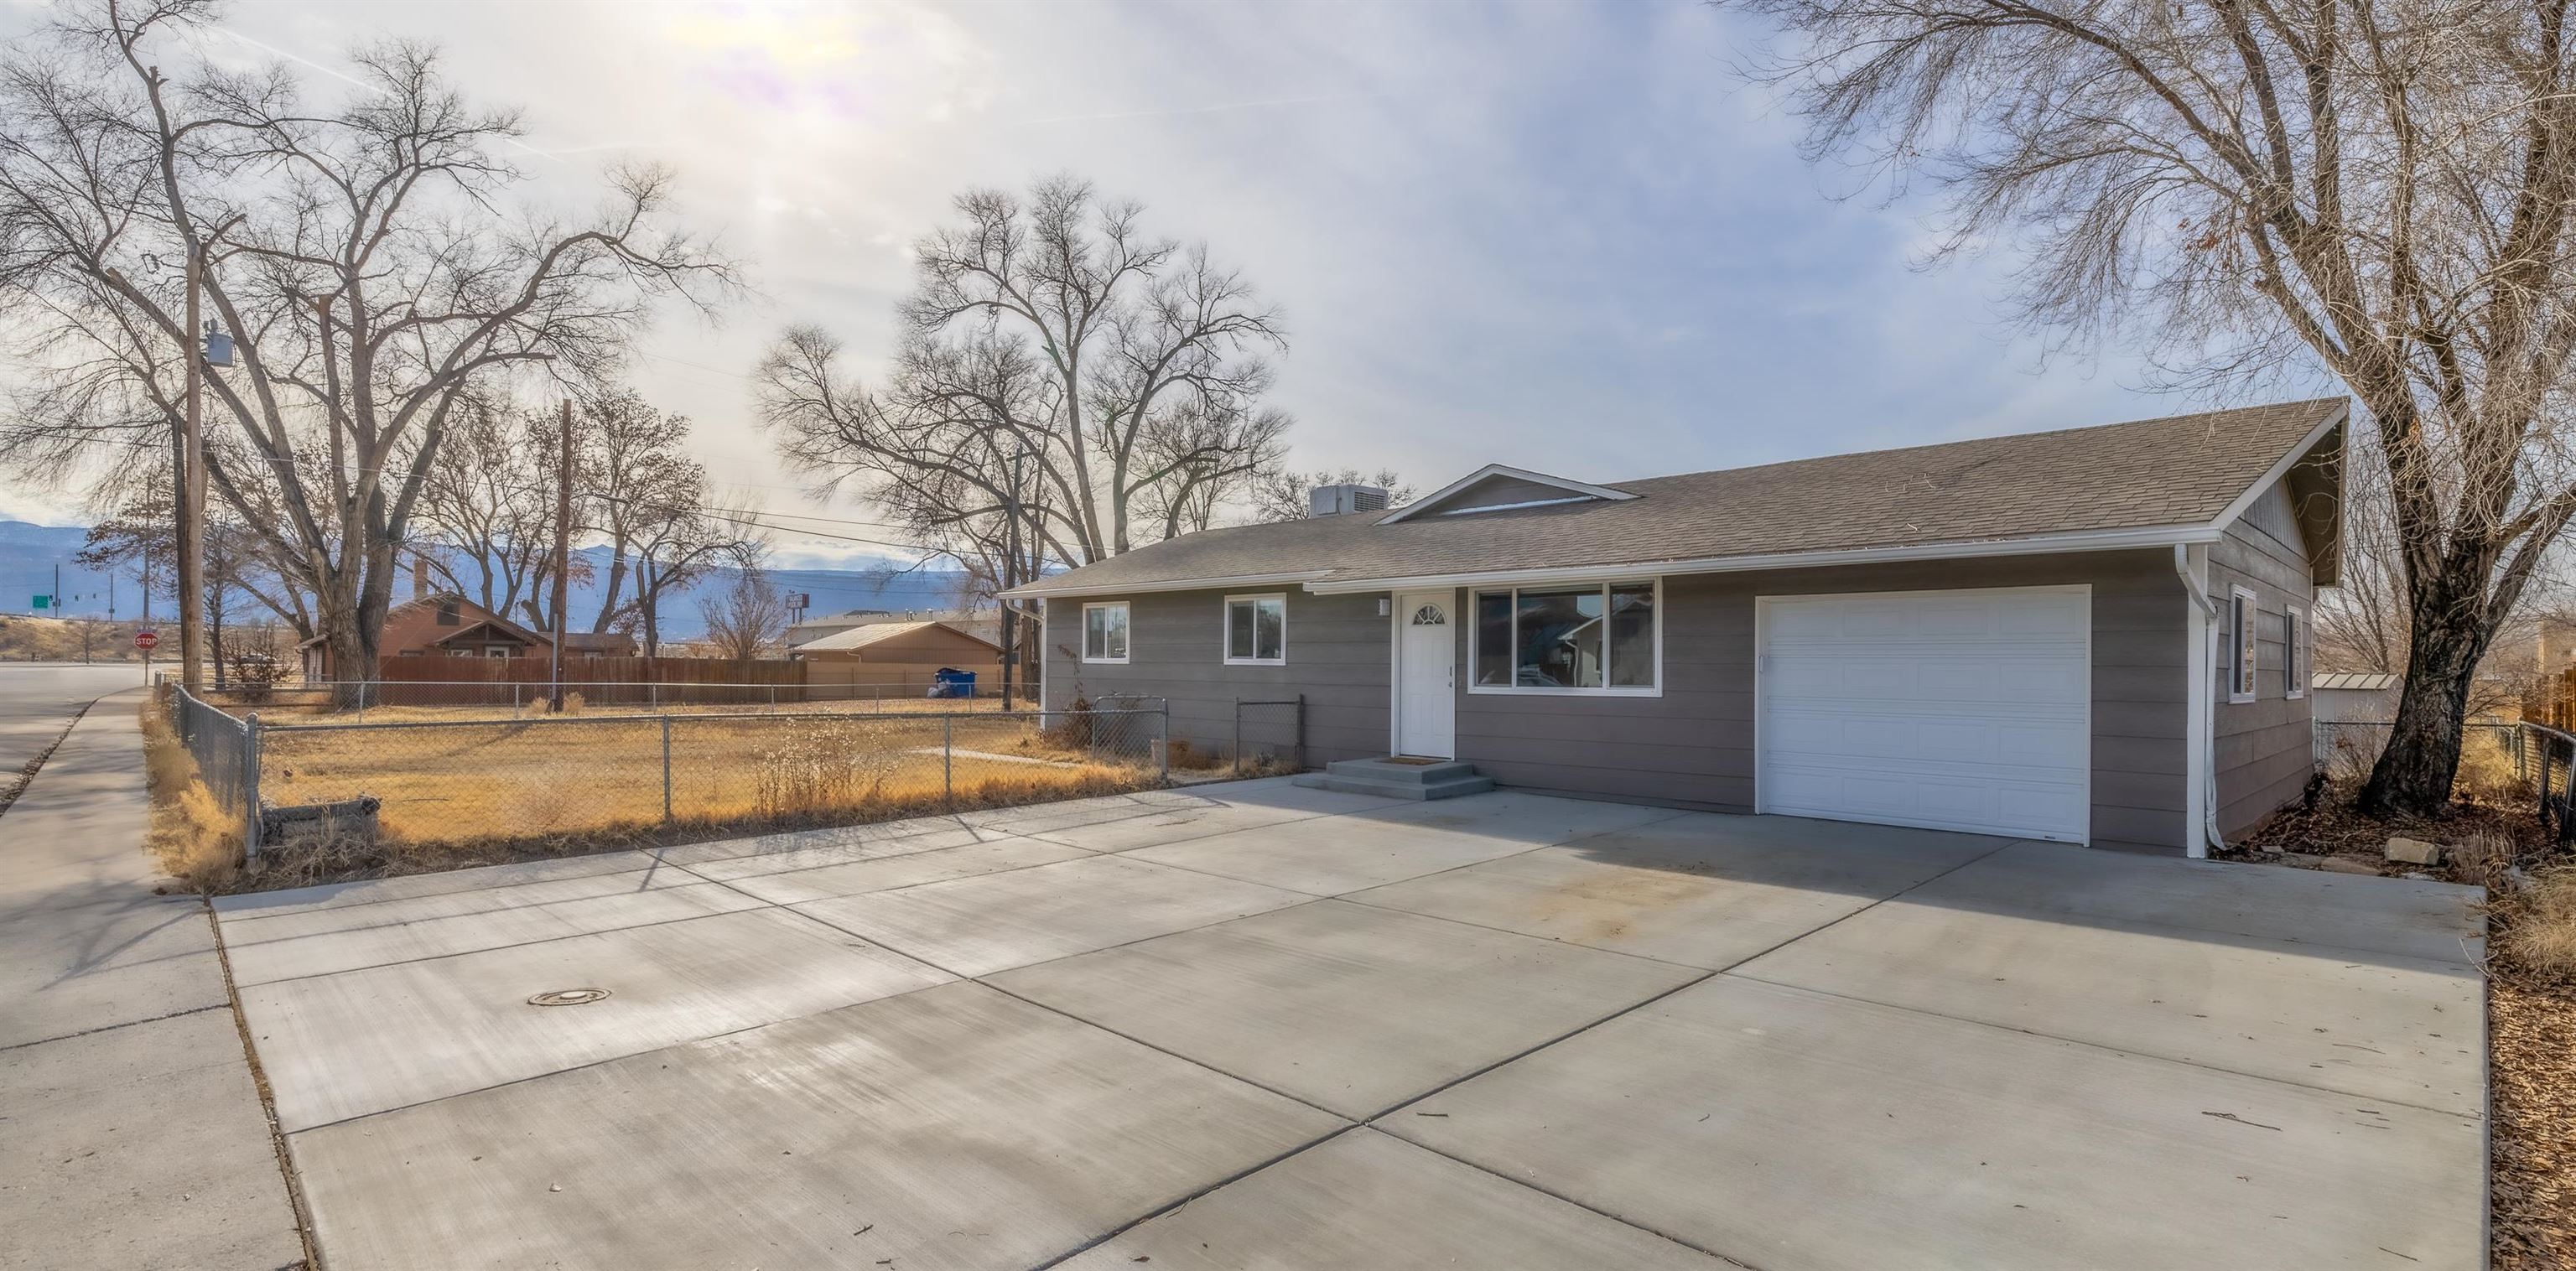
(2531, 998)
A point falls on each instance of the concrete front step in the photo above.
(1388, 778)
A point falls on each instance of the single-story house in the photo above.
(985, 622)
(2095, 635)
(900, 654)
(452, 626)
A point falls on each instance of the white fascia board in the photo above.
(1039, 591)
(2087, 541)
(1580, 489)
(2282, 468)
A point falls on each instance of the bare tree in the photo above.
(368, 263)
(671, 555)
(1121, 376)
(144, 529)
(640, 491)
(487, 507)
(1280, 494)
(2361, 622)
(746, 619)
(2383, 191)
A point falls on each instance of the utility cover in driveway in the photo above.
(1951, 710)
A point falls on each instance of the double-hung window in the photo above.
(1596, 638)
(1104, 632)
(1256, 630)
(2241, 613)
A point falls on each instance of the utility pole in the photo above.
(563, 549)
(192, 494)
(1011, 578)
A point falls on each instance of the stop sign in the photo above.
(146, 638)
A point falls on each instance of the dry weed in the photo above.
(191, 837)
(2539, 925)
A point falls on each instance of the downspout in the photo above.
(2200, 712)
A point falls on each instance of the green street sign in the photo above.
(44, 602)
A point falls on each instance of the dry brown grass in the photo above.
(28, 639)
(512, 790)
(2539, 925)
(191, 837)
(294, 705)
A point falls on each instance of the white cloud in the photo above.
(1552, 235)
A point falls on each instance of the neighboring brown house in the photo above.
(986, 622)
(2077, 635)
(891, 650)
(459, 628)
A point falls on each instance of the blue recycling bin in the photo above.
(948, 681)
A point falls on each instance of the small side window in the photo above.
(2241, 659)
(1104, 632)
(2294, 653)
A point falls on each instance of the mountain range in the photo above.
(31, 554)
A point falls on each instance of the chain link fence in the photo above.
(226, 751)
(559, 778)
(2495, 755)
(1270, 735)
(523, 697)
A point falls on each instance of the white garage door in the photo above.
(1956, 710)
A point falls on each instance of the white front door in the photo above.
(1426, 653)
(1953, 710)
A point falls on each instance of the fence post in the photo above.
(2567, 808)
(362, 699)
(948, 759)
(1238, 735)
(666, 770)
(250, 789)
(2540, 788)
(1163, 752)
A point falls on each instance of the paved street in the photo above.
(1256, 1025)
(38, 698)
(131, 1133)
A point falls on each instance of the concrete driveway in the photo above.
(1260, 1026)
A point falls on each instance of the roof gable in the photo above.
(1500, 487)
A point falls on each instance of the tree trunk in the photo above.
(2414, 774)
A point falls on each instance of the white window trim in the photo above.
(1475, 633)
(2244, 665)
(1225, 629)
(1121, 659)
(2294, 653)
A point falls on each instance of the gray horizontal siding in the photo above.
(1337, 659)
(2266, 747)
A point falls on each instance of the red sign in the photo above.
(146, 638)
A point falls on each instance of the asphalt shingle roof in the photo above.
(2179, 470)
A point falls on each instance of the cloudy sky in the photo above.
(1558, 236)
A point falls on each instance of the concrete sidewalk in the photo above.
(131, 1132)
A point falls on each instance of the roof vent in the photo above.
(1334, 500)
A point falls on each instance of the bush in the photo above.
(256, 675)
(2540, 925)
